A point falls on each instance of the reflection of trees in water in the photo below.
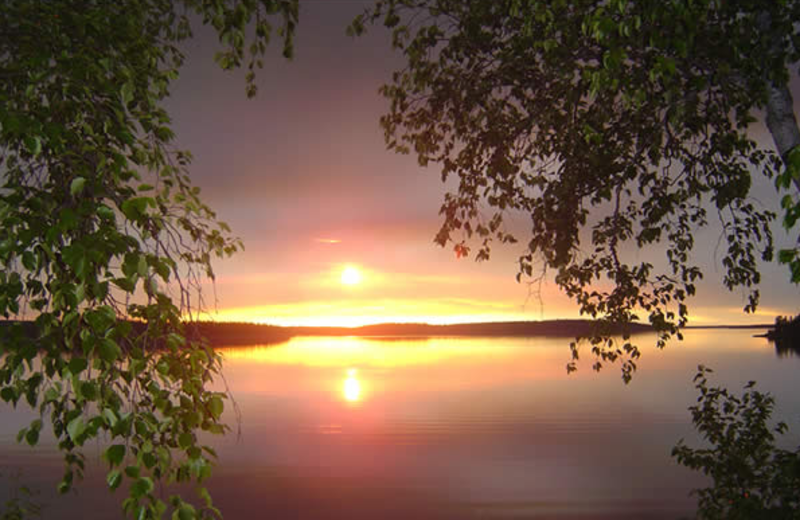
(787, 349)
(20, 504)
(786, 336)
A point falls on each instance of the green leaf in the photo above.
(65, 484)
(203, 493)
(185, 440)
(786, 255)
(89, 390)
(108, 350)
(135, 208)
(185, 512)
(110, 417)
(75, 256)
(33, 144)
(216, 406)
(141, 487)
(28, 260)
(76, 186)
(132, 471)
(32, 437)
(141, 267)
(149, 460)
(127, 93)
(105, 213)
(216, 429)
(126, 284)
(77, 365)
(8, 394)
(115, 454)
(51, 394)
(793, 160)
(113, 479)
(75, 429)
(100, 319)
(142, 428)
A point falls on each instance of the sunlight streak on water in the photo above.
(351, 389)
(355, 351)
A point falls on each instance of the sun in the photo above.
(351, 275)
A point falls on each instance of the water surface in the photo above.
(361, 428)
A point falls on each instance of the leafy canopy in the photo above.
(751, 478)
(614, 125)
(103, 239)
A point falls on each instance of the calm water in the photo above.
(447, 428)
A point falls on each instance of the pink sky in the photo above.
(302, 175)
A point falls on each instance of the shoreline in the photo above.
(245, 333)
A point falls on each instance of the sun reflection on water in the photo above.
(351, 389)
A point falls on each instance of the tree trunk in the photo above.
(780, 105)
(782, 123)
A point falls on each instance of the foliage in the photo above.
(103, 239)
(791, 207)
(613, 125)
(786, 334)
(752, 478)
(21, 504)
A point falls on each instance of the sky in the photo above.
(302, 175)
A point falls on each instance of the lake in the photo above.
(359, 428)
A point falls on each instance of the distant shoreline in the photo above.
(231, 333)
(224, 332)
(243, 333)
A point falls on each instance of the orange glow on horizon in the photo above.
(358, 320)
(361, 312)
(353, 291)
(339, 294)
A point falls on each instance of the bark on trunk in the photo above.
(782, 123)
